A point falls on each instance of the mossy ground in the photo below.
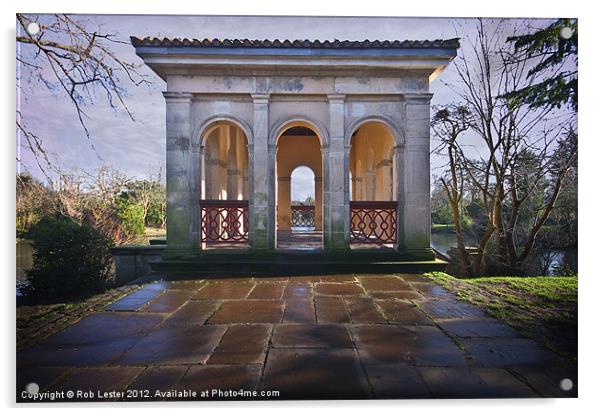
(542, 308)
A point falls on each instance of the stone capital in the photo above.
(417, 98)
(176, 96)
(336, 98)
(260, 98)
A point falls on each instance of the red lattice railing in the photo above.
(373, 222)
(303, 216)
(224, 221)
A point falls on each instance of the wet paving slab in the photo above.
(225, 290)
(300, 311)
(476, 327)
(93, 381)
(319, 337)
(331, 310)
(169, 301)
(267, 291)
(507, 352)
(401, 312)
(364, 311)
(300, 373)
(193, 312)
(383, 283)
(473, 383)
(175, 345)
(96, 340)
(161, 378)
(397, 344)
(138, 299)
(311, 336)
(221, 377)
(242, 344)
(250, 311)
(339, 289)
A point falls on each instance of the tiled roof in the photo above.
(316, 44)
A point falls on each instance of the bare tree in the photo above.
(518, 146)
(68, 57)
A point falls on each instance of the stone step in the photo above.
(284, 264)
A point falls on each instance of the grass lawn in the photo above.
(542, 308)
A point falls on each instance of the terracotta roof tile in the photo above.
(297, 43)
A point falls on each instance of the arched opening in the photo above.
(373, 202)
(299, 188)
(224, 187)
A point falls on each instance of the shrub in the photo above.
(131, 216)
(69, 258)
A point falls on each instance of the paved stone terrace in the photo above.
(329, 337)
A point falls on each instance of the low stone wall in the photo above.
(133, 261)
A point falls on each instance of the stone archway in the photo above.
(296, 146)
(373, 198)
(224, 186)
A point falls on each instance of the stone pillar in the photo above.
(416, 171)
(182, 179)
(284, 203)
(318, 203)
(336, 180)
(262, 195)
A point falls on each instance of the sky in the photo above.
(138, 147)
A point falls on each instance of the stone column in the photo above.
(182, 179)
(336, 180)
(262, 195)
(284, 203)
(318, 203)
(415, 174)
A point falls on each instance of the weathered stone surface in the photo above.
(363, 311)
(137, 299)
(337, 278)
(470, 382)
(194, 312)
(96, 340)
(400, 312)
(175, 345)
(338, 289)
(311, 336)
(384, 283)
(169, 301)
(297, 310)
(225, 290)
(42, 376)
(221, 377)
(249, 311)
(331, 310)
(509, 352)
(418, 345)
(297, 291)
(162, 378)
(315, 374)
(546, 380)
(399, 381)
(187, 284)
(242, 344)
(476, 327)
(432, 290)
(405, 295)
(102, 379)
(304, 279)
(415, 278)
(267, 291)
(449, 308)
